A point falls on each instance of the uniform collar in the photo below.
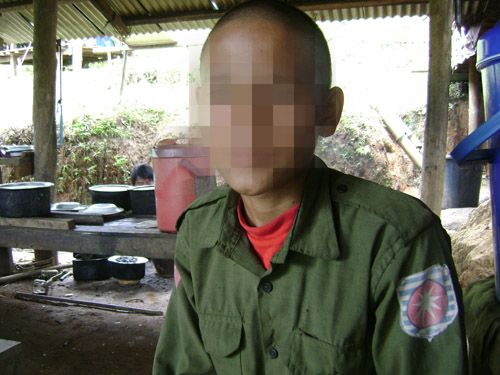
(313, 232)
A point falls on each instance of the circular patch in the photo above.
(428, 304)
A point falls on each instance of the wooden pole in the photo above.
(476, 110)
(6, 265)
(44, 98)
(44, 89)
(437, 104)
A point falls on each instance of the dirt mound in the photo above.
(472, 246)
(362, 147)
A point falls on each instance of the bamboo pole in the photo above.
(436, 123)
(403, 136)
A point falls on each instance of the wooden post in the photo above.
(44, 89)
(13, 62)
(437, 104)
(476, 109)
(124, 69)
(6, 266)
(44, 97)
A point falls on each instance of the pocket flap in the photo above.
(221, 334)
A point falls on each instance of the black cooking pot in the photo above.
(112, 193)
(25, 199)
(127, 267)
(142, 200)
(91, 269)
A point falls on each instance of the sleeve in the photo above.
(180, 348)
(419, 315)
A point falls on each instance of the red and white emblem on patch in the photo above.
(428, 302)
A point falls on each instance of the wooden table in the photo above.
(114, 237)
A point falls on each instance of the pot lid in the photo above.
(125, 259)
(180, 151)
(110, 188)
(26, 185)
(143, 188)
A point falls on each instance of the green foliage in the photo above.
(98, 149)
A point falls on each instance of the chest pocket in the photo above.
(221, 335)
(309, 355)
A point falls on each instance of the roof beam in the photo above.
(173, 17)
(26, 4)
(18, 5)
(303, 5)
(112, 17)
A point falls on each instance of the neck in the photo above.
(263, 208)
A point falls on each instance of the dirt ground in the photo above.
(78, 340)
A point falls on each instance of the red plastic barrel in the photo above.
(176, 167)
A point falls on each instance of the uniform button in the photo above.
(342, 188)
(273, 353)
(267, 287)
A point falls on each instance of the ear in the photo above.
(333, 111)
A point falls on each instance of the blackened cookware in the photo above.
(112, 193)
(25, 199)
(142, 200)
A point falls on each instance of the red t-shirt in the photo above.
(267, 240)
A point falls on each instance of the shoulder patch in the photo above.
(428, 302)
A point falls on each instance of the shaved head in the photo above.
(296, 21)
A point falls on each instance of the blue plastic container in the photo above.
(488, 63)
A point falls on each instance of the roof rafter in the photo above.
(112, 17)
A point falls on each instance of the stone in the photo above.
(472, 246)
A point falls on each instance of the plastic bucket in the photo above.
(488, 63)
(461, 184)
(176, 167)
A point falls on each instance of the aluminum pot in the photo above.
(127, 267)
(142, 200)
(112, 193)
(25, 199)
(91, 269)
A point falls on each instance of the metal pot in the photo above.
(127, 267)
(91, 269)
(25, 199)
(142, 200)
(112, 193)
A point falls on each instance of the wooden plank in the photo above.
(145, 242)
(38, 222)
(114, 18)
(6, 265)
(44, 89)
(436, 123)
(79, 218)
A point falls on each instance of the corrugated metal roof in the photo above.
(82, 19)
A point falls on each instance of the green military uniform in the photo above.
(333, 301)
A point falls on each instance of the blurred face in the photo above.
(259, 104)
(143, 181)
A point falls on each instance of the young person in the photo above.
(294, 268)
